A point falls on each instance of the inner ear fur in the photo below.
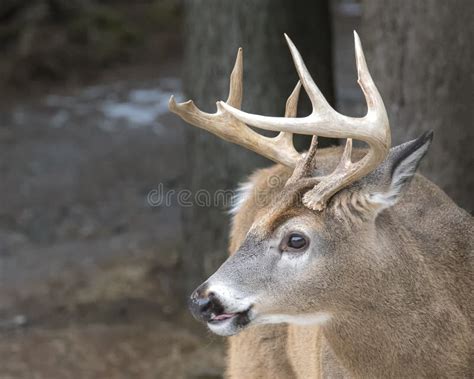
(385, 186)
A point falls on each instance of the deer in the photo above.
(343, 263)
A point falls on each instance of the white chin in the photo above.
(224, 328)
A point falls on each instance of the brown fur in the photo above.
(435, 241)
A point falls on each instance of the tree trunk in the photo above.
(215, 30)
(420, 54)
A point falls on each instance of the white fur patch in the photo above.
(241, 195)
(224, 328)
(303, 320)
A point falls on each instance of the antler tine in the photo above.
(236, 83)
(305, 167)
(286, 138)
(364, 79)
(291, 107)
(346, 155)
(315, 96)
(280, 149)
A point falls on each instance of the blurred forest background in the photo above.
(93, 278)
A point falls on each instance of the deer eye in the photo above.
(295, 241)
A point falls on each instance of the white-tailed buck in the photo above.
(341, 267)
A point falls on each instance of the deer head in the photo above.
(313, 249)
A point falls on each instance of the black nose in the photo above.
(204, 304)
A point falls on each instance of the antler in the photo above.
(279, 149)
(231, 124)
(324, 121)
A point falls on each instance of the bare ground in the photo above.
(89, 270)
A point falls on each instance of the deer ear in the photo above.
(398, 170)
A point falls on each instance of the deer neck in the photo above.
(408, 326)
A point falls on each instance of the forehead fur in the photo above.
(282, 204)
(267, 204)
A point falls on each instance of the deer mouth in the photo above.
(222, 317)
(231, 322)
(240, 316)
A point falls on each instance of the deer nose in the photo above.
(204, 304)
